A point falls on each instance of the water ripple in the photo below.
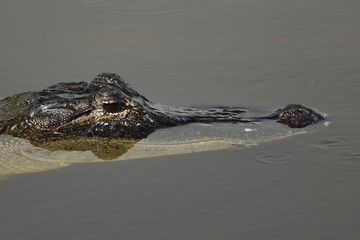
(335, 153)
(281, 157)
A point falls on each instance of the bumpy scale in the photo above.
(108, 107)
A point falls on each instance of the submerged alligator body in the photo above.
(108, 107)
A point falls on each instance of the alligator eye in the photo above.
(113, 107)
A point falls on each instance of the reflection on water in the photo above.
(106, 149)
(21, 156)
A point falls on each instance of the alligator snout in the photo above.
(298, 116)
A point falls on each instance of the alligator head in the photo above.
(106, 107)
(109, 108)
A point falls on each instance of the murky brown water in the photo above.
(249, 53)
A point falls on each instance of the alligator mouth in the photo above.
(54, 118)
(110, 111)
(77, 118)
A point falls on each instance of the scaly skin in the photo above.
(108, 107)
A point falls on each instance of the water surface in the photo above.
(183, 53)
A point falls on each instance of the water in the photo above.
(181, 53)
(19, 156)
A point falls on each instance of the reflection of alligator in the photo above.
(109, 108)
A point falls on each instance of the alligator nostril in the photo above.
(113, 107)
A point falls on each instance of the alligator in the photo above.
(108, 107)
